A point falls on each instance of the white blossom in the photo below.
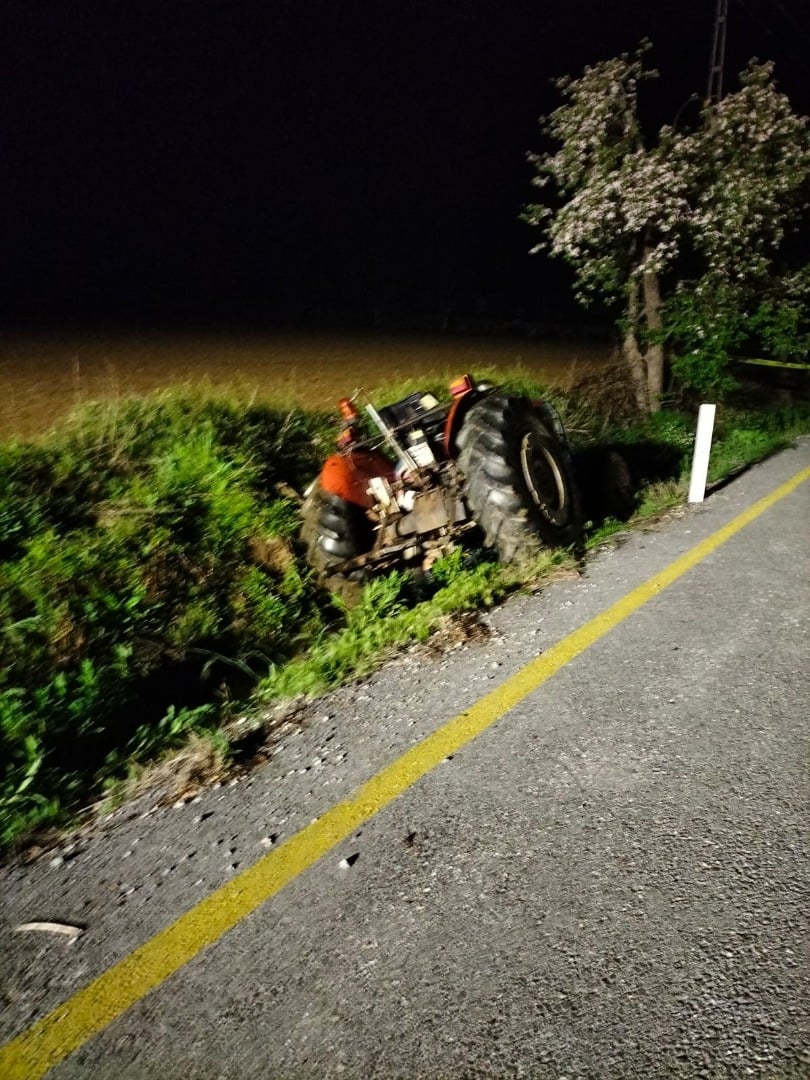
(725, 192)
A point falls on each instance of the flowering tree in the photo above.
(632, 216)
(749, 166)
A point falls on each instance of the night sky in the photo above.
(311, 162)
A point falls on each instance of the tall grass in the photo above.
(133, 596)
(149, 574)
(392, 613)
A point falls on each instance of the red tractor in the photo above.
(484, 461)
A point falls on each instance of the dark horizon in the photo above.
(219, 162)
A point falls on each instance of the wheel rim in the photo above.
(544, 479)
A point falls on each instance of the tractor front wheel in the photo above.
(334, 530)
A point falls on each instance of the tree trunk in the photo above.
(631, 351)
(654, 356)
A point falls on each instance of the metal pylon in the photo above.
(714, 89)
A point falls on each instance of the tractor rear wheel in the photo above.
(517, 478)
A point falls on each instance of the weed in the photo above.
(149, 574)
(660, 497)
(127, 561)
(383, 622)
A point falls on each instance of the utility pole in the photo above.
(714, 89)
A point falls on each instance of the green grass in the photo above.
(741, 438)
(150, 578)
(746, 437)
(388, 617)
(127, 575)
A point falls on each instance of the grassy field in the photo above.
(151, 584)
(45, 376)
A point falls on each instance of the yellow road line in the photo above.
(90, 1010)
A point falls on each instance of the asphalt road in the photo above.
(610, 881)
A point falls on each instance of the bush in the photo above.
(142, 546)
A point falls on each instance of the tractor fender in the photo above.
(347, 475)
(455, 418)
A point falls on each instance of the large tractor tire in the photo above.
(332, 531)
(517, 479)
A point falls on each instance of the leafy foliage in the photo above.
(615, 189)
(682, 235)
(142, 547)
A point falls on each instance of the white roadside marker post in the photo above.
(700, 458)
